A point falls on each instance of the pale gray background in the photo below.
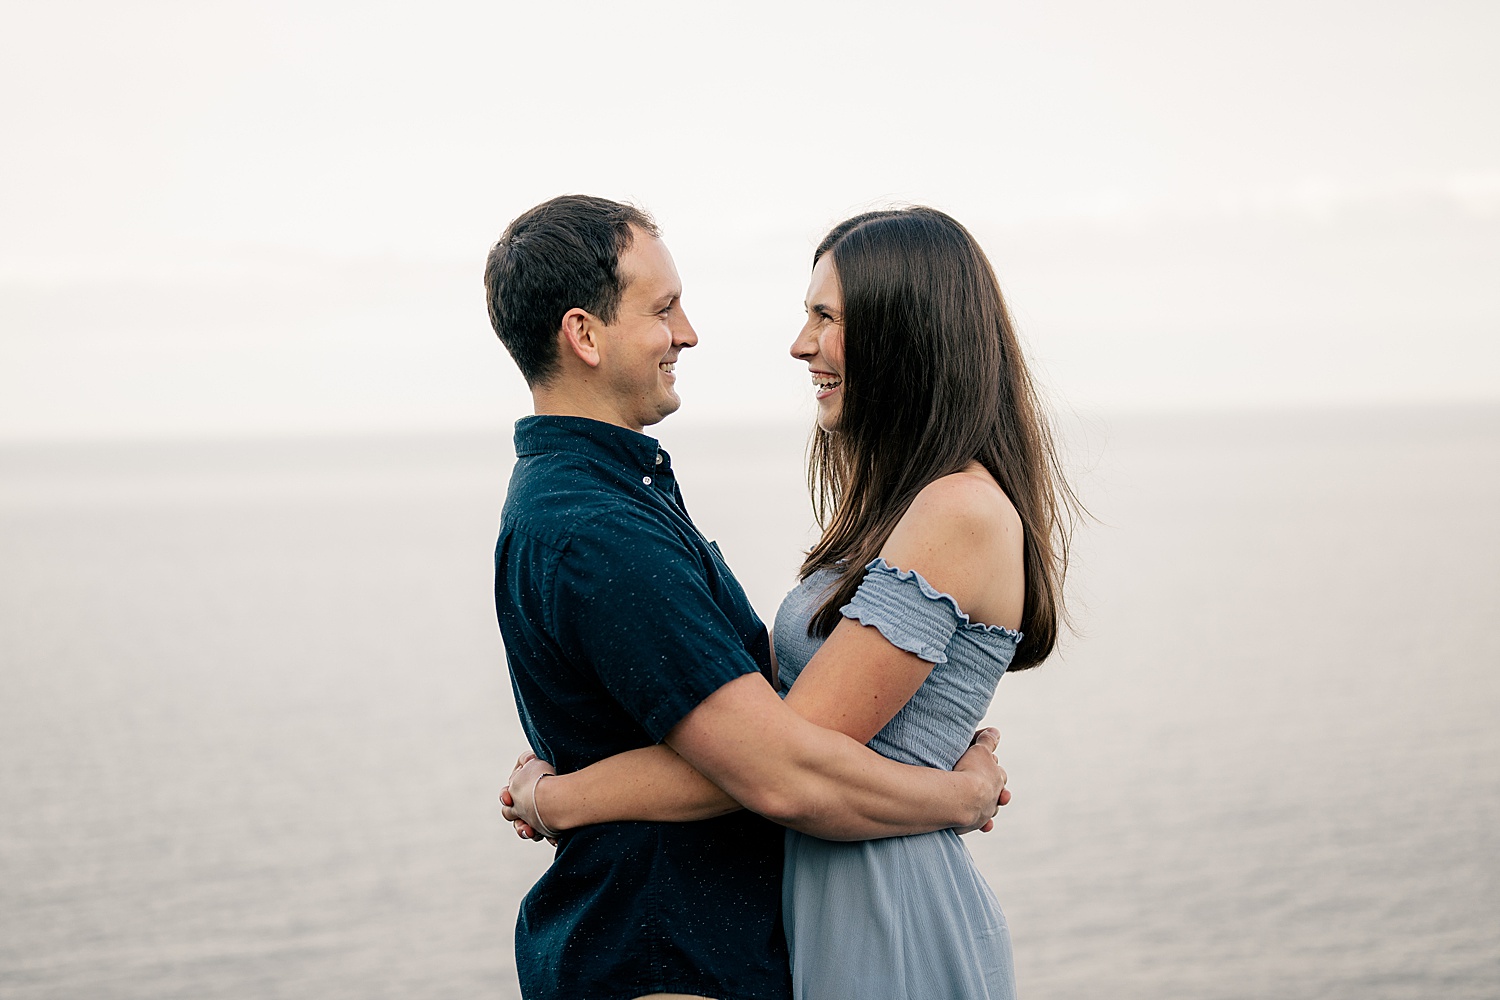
(254, 436)
(271, 216)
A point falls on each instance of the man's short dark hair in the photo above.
(561, 255)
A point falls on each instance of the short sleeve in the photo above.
(911, 613)
(637, 604)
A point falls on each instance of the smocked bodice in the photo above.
(936, 726)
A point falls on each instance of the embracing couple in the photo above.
(739, 816)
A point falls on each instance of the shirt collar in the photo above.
(544, 434)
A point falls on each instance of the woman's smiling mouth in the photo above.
(826, 383)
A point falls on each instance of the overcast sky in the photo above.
(270, 217)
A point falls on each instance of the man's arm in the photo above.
(809, 778)
(747, 741)
(957, 533)
(665, 650)
(853, 686)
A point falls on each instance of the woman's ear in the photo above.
(579, 333)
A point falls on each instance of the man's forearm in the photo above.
(821, 782)
(842, 790)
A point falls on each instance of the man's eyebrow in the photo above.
(666, 299)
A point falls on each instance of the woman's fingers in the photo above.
(518, 798)
(509, 808)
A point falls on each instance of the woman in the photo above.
(933, 473)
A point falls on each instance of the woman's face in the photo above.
(821, 342)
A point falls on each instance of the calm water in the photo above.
(254, 713)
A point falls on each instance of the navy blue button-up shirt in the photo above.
(619, 618)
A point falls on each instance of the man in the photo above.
(624, 628)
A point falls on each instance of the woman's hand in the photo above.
(980, 761)
(518, 797)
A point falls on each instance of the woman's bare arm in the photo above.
(954, 536)
(964, 538)
(652, 784)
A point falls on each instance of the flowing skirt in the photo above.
(905, 918)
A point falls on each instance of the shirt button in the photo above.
(658, 458)
(646, 480)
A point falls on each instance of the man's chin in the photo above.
(664, 409)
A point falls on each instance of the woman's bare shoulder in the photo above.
(970, 499)
(964, 516)
(965, 537)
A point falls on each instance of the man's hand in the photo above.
(518, 797)
(980, 762)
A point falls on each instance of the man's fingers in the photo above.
(988, 738)
(1004, 796)
(521, 760)
(505, 797)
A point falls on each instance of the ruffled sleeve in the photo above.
(908, 611)
(911, 613)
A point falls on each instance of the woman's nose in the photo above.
(805, 346)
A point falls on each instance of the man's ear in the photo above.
(579, 333)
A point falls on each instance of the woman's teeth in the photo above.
(826, 382)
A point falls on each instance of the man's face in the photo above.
(638, 351)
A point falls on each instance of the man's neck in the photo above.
(566, 400)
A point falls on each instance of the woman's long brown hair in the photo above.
(933, 380)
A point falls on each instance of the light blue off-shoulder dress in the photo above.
(905, 917)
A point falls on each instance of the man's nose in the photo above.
(683, 334)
